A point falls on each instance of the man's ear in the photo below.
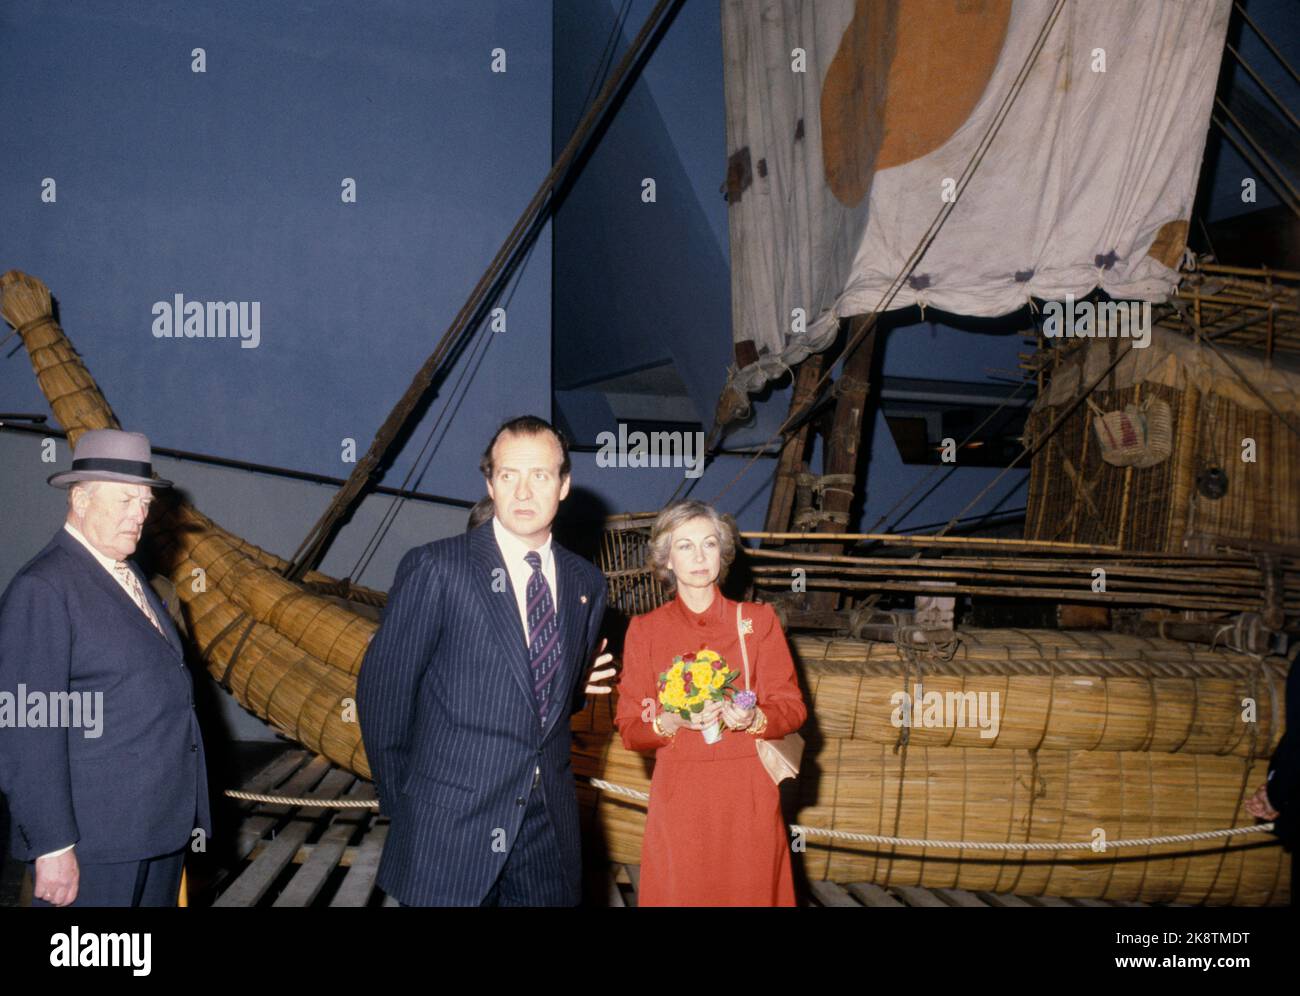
(491, 494)
(564, 488)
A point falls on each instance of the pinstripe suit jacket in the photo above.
(450, 723)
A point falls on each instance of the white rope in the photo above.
(861, 838)
(303, 800)
(978, 845)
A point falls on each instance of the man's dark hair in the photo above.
(526, 425)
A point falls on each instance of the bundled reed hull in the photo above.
(1054, 690)
(968, 794)
(295, 654)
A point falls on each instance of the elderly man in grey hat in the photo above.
(100, 753)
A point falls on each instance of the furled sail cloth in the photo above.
(836, 172)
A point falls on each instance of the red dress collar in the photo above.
(710, 618)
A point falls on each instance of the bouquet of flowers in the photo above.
(694, 679)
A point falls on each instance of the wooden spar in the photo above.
(794, 452)
(946, 588)
(1248, 271)
(844, 445)
(974, 542)
(954, 566)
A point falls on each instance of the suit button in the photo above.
(194, 747)
(519, 801)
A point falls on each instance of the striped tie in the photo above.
(543, 635)
(132, 585)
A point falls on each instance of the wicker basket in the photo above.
(1139, 436)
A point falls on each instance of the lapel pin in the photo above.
(582, 599)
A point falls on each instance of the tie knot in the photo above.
(120, 567)
(534, 559)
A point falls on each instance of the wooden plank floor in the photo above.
(305, 855)
(312, 856)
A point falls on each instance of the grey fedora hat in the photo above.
(111, 455)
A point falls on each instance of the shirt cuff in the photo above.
(55, 854)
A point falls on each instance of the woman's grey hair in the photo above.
(678, 514)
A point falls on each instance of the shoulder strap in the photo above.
(744, 651)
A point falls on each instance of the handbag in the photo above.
(780, 757)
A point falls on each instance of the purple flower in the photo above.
(745, 699)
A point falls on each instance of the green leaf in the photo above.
(698, 707)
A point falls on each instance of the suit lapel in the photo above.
(100, 577)
(500, 606)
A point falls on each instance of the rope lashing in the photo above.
(863, 838)
(812, 517)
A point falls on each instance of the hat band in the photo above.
(133, 467)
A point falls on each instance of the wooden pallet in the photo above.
(305, 856)
(624, 881)
(311, 856)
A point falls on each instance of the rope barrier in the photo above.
(862, 838)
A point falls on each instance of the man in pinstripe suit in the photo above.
(465, 693)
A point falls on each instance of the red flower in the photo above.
(688, 658)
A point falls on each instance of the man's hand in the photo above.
(597, 674)
(57, 878)
(1259, 807)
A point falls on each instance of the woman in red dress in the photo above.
(714, 833)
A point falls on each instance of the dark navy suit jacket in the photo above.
(1284, 772)
(450, 723)
(140, 788)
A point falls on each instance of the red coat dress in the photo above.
(714, 833)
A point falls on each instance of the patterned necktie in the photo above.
(543, 634)
(132, 585)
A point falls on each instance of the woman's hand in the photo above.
(671, 722)
(737, 718)
(1259, 807)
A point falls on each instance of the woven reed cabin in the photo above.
(1212, 462)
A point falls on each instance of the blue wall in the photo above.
(226, 185)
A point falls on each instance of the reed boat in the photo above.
(1141, 735)
(1145, 706)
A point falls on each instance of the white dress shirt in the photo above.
(513, 550)
(108, 563)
